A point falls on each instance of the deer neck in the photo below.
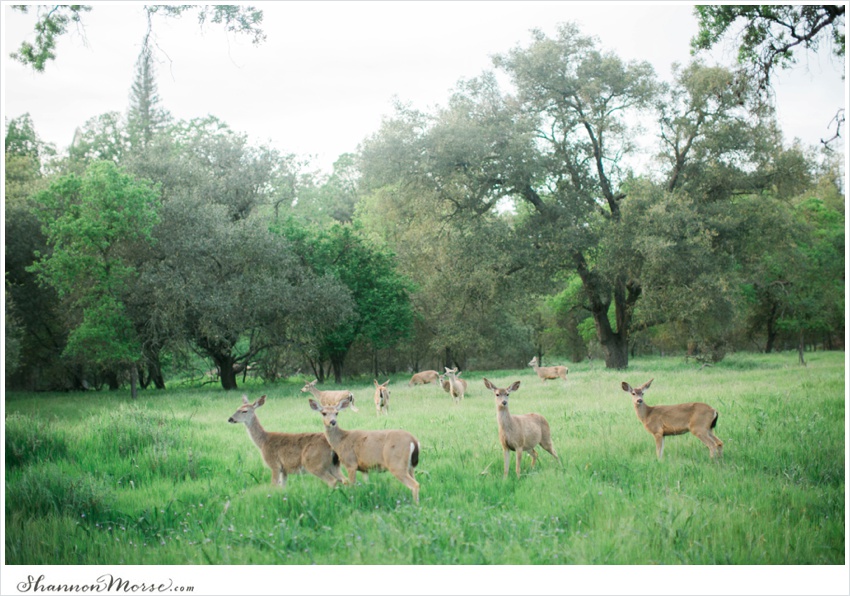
(256, 431)
(335, 434)
(643, 411)
(504, 418)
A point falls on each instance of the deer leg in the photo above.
(507, 462)
(659, 445)
(708, 439)
(533, 454)
(551, 449)
(718, 444)
(275, 475)
(410, 482)
(352, 475)
(518, 459)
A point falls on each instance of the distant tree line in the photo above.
(519, 219)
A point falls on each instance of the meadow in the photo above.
(164, 480)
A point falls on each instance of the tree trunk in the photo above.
(337, 361)
(226, 371)
(802, 348)
(625, 294)
(134, 381)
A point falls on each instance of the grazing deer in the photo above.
(549, 372)
(661, 421)
(423, 378)
(289, 453)
(371, 450)
(329, 398)
(457, 387)
(520, 433)
(444, 382)
(382, 397)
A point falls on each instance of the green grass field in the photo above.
(97, 479)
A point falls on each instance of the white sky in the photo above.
(328, 71)
(319, 85)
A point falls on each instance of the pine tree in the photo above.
(145, 117)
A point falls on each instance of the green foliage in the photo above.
(92, 224)
(53, 21)
(382, 314)
(770, 34)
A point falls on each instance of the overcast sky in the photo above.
(328, 71)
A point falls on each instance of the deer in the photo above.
(520, 433)
(371, 450)
(329, 397)
(444, 382)
(549, 372)
(424, 378)
(289, 453)
(662, 421)
(457, 387)
(382, 397)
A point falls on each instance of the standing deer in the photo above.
(423, 378)
(457, 387)
(289, 453)
(661, 421)
(549, 372)
(329, 398)
(369, 450)
(382, 397)
(520, 433)
(444, 382)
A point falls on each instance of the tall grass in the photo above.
(97, 479)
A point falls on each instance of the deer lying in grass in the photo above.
(549, 372)
(423, 378)
(457, 387)
(444, 382)
(520, 433)
(289, 453)
(329, 398)
(382, 397)
(661, 421)
(371, 450)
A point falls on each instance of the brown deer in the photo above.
(661, 421)
(446, 385)
(549, 372)
(289, 453)
(329, 398)
(371, 450)
(423, 378)
(520, 433)
(457, 387)
(382, 397)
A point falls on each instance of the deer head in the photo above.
(637, 392)
(246, 410)
(501, 394)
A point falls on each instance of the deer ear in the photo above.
(488, 384)
(315, 406)
(376, 382)
(646, 385)
(245, 399)
(513, 387)
(260, 401)
(343, 403)
(626, 387)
